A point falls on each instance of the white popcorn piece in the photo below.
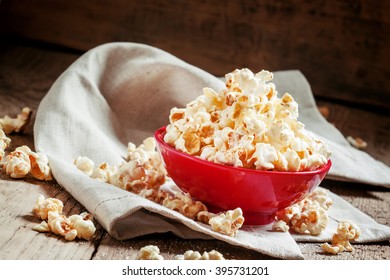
(217, 126)
(280, 226)
(149, 252)
(10, 125)
(42, 227)
(346, 232)
(44, 206)
(228, 223)
(357, 142)
(83, 224)
(17, 164)
(321, 196)
(195, 255)
(104, 172)
(24, 161)
(4, 143)
(85, 164)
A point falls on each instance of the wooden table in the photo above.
(26, 74)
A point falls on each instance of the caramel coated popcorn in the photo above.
(308, 216)
(44, 206)
(10, 125)
(23, 161)
(246, 125)
(184, 204)
(346, 232)
(228, 223)
(50, 211)
(150, 252)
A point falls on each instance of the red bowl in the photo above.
(260, 194)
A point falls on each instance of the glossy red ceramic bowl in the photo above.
(260, 194)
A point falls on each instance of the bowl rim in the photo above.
(158, 135)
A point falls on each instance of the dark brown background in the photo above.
(341, 46)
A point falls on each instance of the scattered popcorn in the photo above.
(44, 206)
(85, 164)
(23, 161)
(280, 226)
(184, 204)
(357, 142)
(4, 143)
(227, 223)
(17, 124)
(195, 255)
(346, 232)
(308, 216)
(50, 209)
(17, 164)
(149, 252)
(246, 125)
(205, 216)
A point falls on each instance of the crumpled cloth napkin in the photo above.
(121, 92)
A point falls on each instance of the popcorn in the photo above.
(346, 232)
(184, 204)
(227, 223)
(44, 206)
(308, 216)
(4, 143)
(23, 161)
(50, 209)
(149, 252)
(17, 164)
(280, 226)
(357, 142)
(85, 164)
(246, 125)
(195, 255)
(17, 124)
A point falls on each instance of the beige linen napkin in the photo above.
(123, 92)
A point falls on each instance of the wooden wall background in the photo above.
(341, 46)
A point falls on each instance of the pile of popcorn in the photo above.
(152, 252)
(50, 211)
(143, 173)
(22, 161)
(308, 216)
(246, 125)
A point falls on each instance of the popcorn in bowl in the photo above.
(243, 147)
(246, 125)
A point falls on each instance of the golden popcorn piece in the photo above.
(280, 226)
(17, 164)
(184, 204)
(149, 252)
(228, 223)
(24, 161)
(10, 125)
(346, 232)
(50, 211)
(44, 206)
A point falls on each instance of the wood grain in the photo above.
(26, 73)
(341, 46)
